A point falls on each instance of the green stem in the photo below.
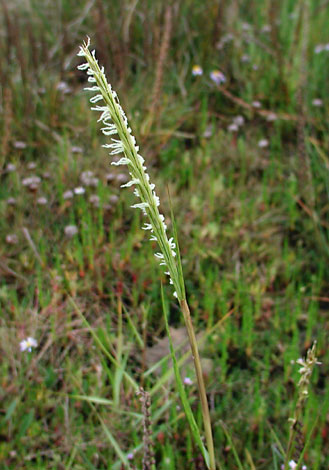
(201, 385)
(292, 435)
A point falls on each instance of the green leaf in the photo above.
(11, 409)
(92, 399)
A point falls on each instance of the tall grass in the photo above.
(115, 123)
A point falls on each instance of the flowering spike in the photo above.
(115, 122)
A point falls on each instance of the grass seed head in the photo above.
(115, 123)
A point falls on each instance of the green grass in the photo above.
(253, 232)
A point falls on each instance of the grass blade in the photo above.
(132, 382)
(231, 443)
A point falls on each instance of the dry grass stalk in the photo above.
(160, 65)
(10, 33)
(102, 31)
(274, 19)
(261, 112)
(304, 169)
(34, 51)
(148, 457)
(7, 120)
(19, 49)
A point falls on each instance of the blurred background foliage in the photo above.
(246, 165)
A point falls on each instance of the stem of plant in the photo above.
(289, 452)
(201, 386)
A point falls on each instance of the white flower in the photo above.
(10, 167)
(245, 58)
(319, 48)
(123, 178)
(292, 464)
(233, 127)
(246, 26)
(208, 132)
(271, 117)
(68, 194)
(94, 199)
(217, 77)
(64, 88)
(20, 145)
(187, 381)
(12, 239)
(27, 344)
(76, 149)
(113, 199)
(196, 70)
(42, 201)
(238, 120)
(70, 230)
(79, 190)
(31, 181)
(110, 177)
(88, 178)
(256, 104)
(317, 102)
(263, 143)
(11, 201)
(31, 166)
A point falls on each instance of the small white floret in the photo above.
(130, 183)
(141, 205)
(122, 161)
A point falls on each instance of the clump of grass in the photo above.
(116, 123)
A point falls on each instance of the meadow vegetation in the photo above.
(238, 147)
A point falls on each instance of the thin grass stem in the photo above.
(201, 385)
